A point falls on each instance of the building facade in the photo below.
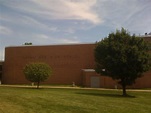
(1, 70)
(67, 62)
(70, 63)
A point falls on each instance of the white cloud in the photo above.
(43, 38)
(24, 20)
(126, 13)
(5, 30)
(83, 10)
(29, 21)
(68, 40)
(60, 9)
(40, 36)
(70, 9)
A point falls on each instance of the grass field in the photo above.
(64, 100)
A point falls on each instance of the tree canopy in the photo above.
(37, 72)
(27, 43)
(122, 57)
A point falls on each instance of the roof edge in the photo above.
(72, 44)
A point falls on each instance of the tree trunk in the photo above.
(38, 84)
(124, 87)
(124, 90)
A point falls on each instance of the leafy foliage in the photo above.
(149, 44)
(124, 57)
(27, 43)
(37, 72)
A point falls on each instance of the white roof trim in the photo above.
(89, 70)
(67, 44)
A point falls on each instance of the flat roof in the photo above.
(145, 36)
(72, 44)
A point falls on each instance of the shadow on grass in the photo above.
(107, 95)
(20, 87)
(32, 87)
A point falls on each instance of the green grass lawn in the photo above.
(64, 100)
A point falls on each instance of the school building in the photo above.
(70, 63)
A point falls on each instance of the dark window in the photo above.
(0, 67)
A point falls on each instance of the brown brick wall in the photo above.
(66, 62)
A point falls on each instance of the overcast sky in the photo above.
(46, 22)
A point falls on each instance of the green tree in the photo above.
(122, 57)
(27, 43)
(37, 72)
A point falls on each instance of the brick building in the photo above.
(70, 63)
